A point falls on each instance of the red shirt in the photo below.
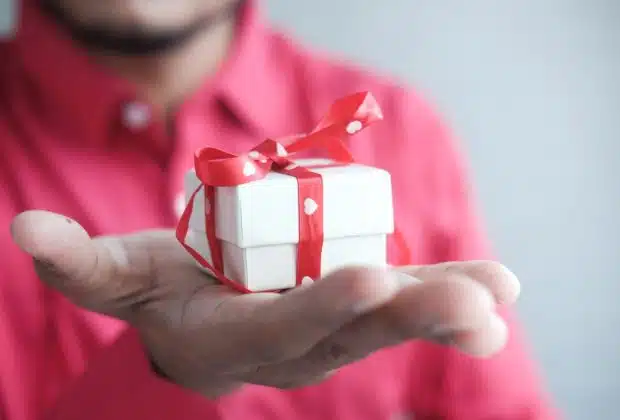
(79, 141)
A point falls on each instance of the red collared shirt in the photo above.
(78, 141)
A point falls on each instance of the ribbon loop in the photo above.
(217, 168)
(274, 151)
(346, 117)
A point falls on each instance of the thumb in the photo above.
(92, 273)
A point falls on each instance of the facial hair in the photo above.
(135, 41)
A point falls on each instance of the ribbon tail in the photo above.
(360, 106)
(181, 235)
(329, 139)
(346, 117)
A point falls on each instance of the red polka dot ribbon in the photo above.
(215, 168)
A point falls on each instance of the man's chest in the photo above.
(130, 187)
(127, 185)
(375, 388)
(106, 191)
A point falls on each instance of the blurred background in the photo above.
(532, 87)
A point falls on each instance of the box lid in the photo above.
(357, 201)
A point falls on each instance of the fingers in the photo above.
(498, 279)
(108, 275)
(451, 302)
(449, 307)
(64, 254)
(285, 327)
(485, 341)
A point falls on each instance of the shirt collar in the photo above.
(68, 84)
(256, 70)
(84, 96)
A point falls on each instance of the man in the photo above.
(102, 104)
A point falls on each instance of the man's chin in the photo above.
(135, 40)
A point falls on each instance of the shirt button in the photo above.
(136, 115)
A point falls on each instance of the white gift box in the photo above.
(257, 223)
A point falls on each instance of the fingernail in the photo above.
(512, 278)
(498, 324)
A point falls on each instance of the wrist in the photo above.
(212, 391)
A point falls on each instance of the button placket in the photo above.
(181, 160)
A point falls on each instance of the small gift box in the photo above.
(265, 221)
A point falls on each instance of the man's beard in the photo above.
(134, 41)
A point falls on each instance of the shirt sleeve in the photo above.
(507, 386)
(120, 384)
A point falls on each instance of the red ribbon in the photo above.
(216, 168)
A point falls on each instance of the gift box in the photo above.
(265, 221)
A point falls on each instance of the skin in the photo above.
(280, 340)
(168, 77)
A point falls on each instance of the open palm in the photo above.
(208, 338)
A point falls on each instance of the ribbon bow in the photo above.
(216, 168)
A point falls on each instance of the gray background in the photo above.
(533, 88)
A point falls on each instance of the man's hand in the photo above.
(210, 339)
